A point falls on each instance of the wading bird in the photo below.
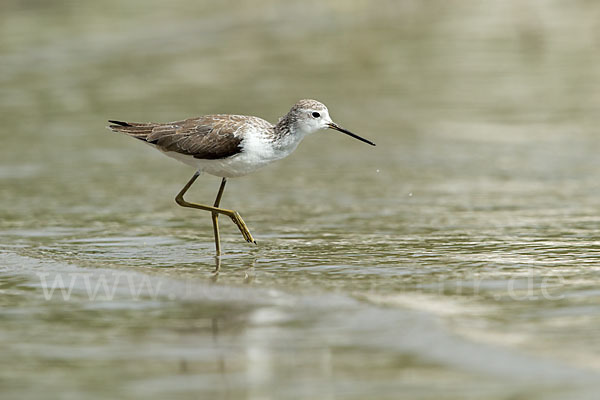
(229, 146)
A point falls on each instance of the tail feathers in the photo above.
(121, 123)
(134, 129)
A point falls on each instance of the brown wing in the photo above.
(209, 137)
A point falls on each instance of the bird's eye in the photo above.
(316, 114)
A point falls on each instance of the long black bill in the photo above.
(347, 132)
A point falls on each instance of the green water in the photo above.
(460, 258)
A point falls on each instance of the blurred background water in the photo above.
(460, 258)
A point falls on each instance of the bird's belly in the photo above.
(234, 166)
(238, 165)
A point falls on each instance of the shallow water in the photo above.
(460, 258)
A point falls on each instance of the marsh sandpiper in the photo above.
(229, 146)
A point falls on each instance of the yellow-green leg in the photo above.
(215, 210)
(215, 217)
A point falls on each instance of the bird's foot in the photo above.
(237, 219)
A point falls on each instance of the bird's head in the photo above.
(308, 116)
